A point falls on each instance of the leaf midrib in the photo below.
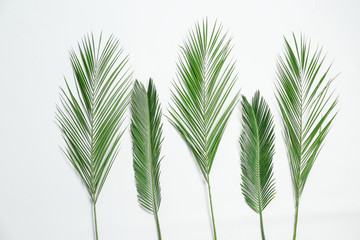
(150, 150)
(205, 129)
(92, 114)
(301, 137)
(257, 158)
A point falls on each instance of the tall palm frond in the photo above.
(307, 107)
(257, 150)
(90, 116)
(146, 131)
(204, 82)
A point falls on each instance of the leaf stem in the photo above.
(95, 222)
(296, 218)
(262, 226)
(157, 225)
(212, 210)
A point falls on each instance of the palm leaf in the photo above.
(90, 116)
(257, 150)
(204, 82)
(307, 108)
(146, 131)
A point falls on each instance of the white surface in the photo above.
(42, 198)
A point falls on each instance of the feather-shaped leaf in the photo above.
(204, 82)
(307, 107)
(200, 111)
(146, 132)
(257, 150)
(90, 116)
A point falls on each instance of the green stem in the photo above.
(157, 225)
(95, 222)
(262, 226)
(212, 210)
(296, 218)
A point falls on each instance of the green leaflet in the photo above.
(307, 109)
(146, 132)
(257, 150)
(90, 117)
(204, 82)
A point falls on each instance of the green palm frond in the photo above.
(146, 131)
(204, 82)
(307, 107)
(90, 116)
(257, 150)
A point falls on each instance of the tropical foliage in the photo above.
(146, 132)
(91, 114)
(307, 108)
(204, 81)
(257, 151)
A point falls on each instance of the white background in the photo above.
(41, 196)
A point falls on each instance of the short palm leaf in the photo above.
(146, 131)
(204, 81)
(90, 116)
(257, 151)
(307, 107)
